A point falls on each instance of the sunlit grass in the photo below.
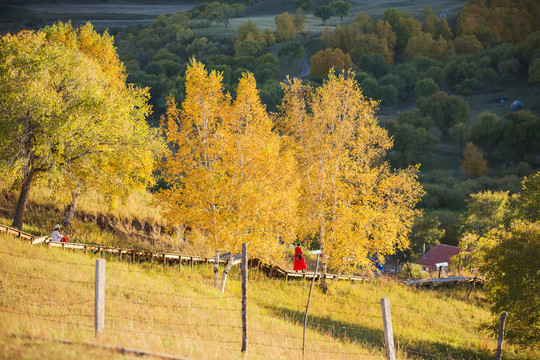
(47, 293)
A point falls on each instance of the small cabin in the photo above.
(438, 256)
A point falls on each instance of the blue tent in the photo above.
(516, 105)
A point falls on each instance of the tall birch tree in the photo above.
(231, 178)
(352, 203)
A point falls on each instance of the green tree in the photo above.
(445, 110)
(267, 68)
(220, 12)
(404, 26)
(285, 28)
(388, 95)
(299, 19)
(340, 8)
(460, 133)
(412, 136)
(425, 87)
(247, 48)
(68, 117)
(291, 50)
(323, 12)
(485, 211)
(528, 201)
(487, 131)
(304, 4)
(521, 132)
(512, 269)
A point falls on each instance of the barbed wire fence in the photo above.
(142, 317)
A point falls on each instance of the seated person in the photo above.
(58, 234)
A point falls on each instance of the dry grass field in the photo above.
(46, 301)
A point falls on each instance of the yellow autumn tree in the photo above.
(473, 162)
(352, 203)
(231, 178)
(68, 117)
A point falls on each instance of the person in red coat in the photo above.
(299, 262)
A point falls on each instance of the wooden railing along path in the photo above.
(165, 257)
(127, 254)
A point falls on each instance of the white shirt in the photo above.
(56, 236)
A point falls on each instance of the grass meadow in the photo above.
(47, 295)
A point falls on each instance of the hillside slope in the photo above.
(47, 294)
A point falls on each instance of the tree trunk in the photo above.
(70, 209)
(324, 269)
(225, 272)
(23, 198)
(216, 269)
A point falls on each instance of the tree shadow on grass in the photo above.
(373, 338)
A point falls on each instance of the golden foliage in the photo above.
(351, 201)
(231, 177)
(473, 162)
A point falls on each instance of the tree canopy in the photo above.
(351, 201)
(230, 178)
(68, 117)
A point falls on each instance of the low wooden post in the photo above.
(191, 263)
(388, 332)
(85, 249)
(99, 250)
(99, 304)
(63, 246)
(307, 306)
(164, 258)
(244, 298)
(120, 254)
(179, 264)
(502, 321)
(472, 287)
(151, 257)
(133, 256)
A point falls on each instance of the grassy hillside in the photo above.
(48, 293)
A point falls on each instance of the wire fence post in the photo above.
(502, 321)
(99, 305)
(388, 332)
(307, 306)
(244, 298)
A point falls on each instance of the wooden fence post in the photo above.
(388, 332)
(99, 305)
(244, 298)
(307, 306)
(502, 321)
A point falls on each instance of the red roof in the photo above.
(440, 253)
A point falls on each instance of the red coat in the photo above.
(299, 262)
